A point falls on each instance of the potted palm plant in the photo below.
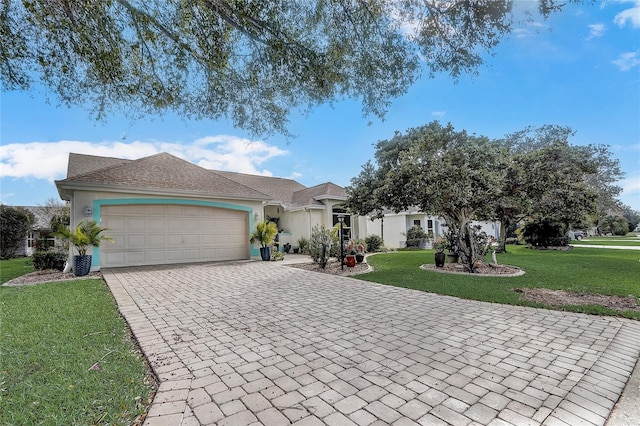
(86, 234)
(265, 234)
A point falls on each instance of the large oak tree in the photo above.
(247, 61)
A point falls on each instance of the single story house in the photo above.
(394, 226)
(162, 209)
(39, 232)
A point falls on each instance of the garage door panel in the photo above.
(157, 240)
(155, 256)
(158, 234)
(135, 257)
(191, 224)
(174, 240)
(136, 241)
(156, 224)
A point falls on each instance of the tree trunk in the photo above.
(502, 239)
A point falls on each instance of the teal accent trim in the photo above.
(97, 205)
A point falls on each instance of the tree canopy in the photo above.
(535, 174)
(247, 61)
(442, 171)
(14, 225)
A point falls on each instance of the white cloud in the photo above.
(631, 15)
(631, 191)
(48, 160)
(439, 114)
(596, 30)
(628, 60)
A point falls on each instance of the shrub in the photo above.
(303, 245)
(545, 233)
(374, 243)
(276, 255)
(415, 236)
(49, 259)
(320, 245)
(14, 224)
(335, 241)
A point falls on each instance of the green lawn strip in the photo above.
(52, 334)
(10, 269)
(607, 242)
(595, 271)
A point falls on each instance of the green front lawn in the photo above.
(584, 270)
(10, 269)
(66, 357)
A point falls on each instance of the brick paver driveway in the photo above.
(264, 343)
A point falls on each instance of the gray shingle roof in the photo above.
(311, 195)
(160, 171)
(280, 189)
(167, 172)
(80, 164)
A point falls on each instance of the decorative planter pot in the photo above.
(296, 250)
(81, 265)
(440, 257)
(359, 257)
(350, 260)
(265, 253)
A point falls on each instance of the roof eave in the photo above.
(67, 188)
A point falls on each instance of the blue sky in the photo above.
(580, 68)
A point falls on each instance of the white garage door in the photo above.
(162, 234)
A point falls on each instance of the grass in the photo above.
(584, 270)
(51, 336)
(10, 269)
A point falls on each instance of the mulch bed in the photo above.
(561, 297)
(48, 275)
(333, 267)
(485, 269)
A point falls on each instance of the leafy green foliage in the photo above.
(442, 171)
(303, 245)
(374, 243)
(545, 233)
(533, 174)
(86, 234)
(52, 335)
(49, 259)
(549, 179)
(14, 225)
(248, 61)
(416, 236)
(264, 234)
(614, 225)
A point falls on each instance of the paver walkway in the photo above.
(262, 343)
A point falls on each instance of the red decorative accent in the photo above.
(350, 261)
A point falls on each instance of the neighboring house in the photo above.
(39, 232)
(393, 227)
(162, 209)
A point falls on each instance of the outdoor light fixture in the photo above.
(88, 211)
(341, 220)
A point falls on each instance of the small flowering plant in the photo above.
(440, 244)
